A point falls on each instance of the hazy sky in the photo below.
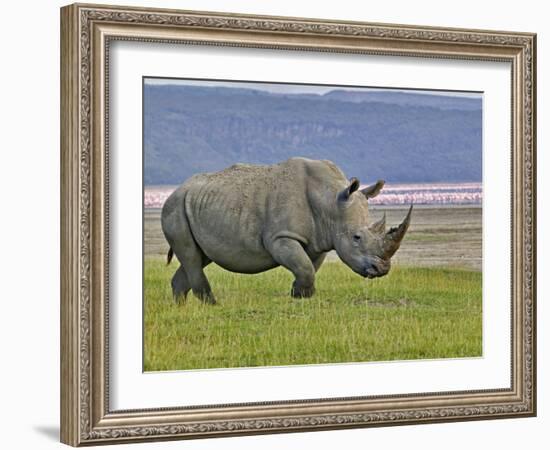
(284, 88)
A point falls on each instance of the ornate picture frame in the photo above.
(87, 31)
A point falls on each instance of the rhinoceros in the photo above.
(252, 218)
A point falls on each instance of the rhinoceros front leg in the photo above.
(289, 253)
(318, 261)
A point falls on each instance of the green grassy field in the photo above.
(412, 313)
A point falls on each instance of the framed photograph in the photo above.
(275, 224)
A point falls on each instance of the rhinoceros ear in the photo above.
(344, 195)
(374, 189)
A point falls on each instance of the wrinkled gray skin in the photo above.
(249, 219)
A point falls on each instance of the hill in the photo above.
(395, 135)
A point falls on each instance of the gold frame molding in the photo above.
(86, 32)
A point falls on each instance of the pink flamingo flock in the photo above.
(392, 194)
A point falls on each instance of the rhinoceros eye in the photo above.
(356, 237)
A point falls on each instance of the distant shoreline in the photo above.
(430, 195)
(389, 207)
(436, 184)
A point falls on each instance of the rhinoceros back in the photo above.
(229, 202)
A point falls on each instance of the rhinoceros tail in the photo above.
(169, 256)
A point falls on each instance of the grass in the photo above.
(412, 313)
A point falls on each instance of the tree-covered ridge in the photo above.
(398, 136)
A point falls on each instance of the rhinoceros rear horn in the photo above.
(344, 195)
(380, 226)
(393, 238)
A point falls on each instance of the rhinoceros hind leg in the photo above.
(180, 285)
(199, 283)
(289, 253)
(202, 289)
(193, 260)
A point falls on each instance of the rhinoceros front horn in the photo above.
(393, 238)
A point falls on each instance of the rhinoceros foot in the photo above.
(299, 291)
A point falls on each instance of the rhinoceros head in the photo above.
(366, 249)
